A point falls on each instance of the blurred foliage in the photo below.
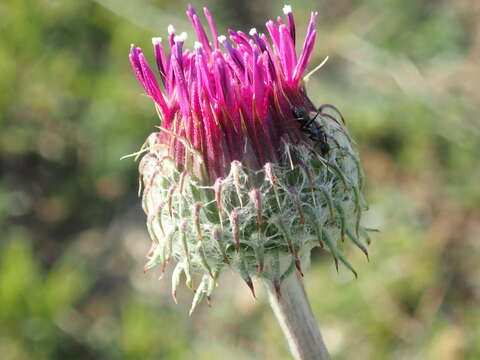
(404, 73)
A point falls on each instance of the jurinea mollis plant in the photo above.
(244, 171)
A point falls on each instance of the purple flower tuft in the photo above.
(229, 99)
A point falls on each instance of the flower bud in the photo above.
(244, 171)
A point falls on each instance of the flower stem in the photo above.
(293, 312)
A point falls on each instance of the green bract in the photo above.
(251, 218)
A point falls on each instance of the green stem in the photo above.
(293, 312)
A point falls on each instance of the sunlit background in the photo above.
(406, 75)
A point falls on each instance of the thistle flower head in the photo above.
(244, 171)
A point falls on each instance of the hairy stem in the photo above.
(296, 319)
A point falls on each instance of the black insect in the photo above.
(314, 131)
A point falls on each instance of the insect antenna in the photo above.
(334, 108)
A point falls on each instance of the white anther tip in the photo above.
(287, 9)
(182, 37)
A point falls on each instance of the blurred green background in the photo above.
(405, 74)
